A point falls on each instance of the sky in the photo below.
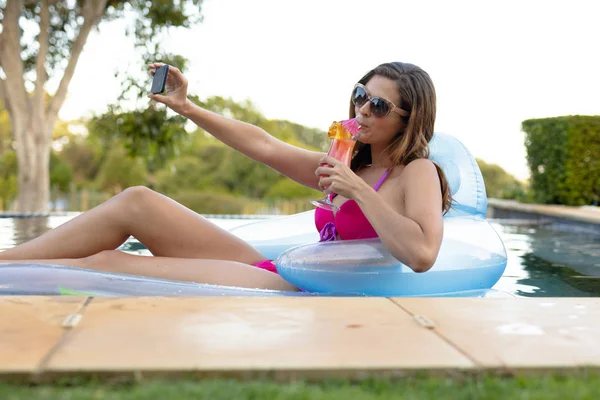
(494, 64)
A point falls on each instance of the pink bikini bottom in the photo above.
(269, 266)
(266, 265)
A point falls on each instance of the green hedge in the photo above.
(563, 154)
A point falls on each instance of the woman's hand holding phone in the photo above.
(176, 89)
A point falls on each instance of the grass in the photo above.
(570, 385)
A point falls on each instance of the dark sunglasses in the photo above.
(380, 107)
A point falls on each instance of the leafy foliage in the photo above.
(499, 183)
(85, 155)
(214, 203)
(5, 133)
(563, 157)
(61, 174)
(149, 20)
(289, 190)
(286, 131)
(150, 134)
(57, 30)
(8, 177)
(182, 162)
(119, 172)
(214, 167)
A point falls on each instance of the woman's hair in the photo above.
(417, 96)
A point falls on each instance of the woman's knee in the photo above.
(136, 193)
(134, 198)
(104, 260)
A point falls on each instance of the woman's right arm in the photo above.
(292, 161)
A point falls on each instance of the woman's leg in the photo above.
(216, 272)
(164, 226)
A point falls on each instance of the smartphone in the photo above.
(160, 79)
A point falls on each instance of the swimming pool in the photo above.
(541, 262)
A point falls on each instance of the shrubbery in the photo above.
(563, 154)
(500, 184)
(214, 203)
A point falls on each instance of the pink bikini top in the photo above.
(349, 222)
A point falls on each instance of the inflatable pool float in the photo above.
(471, 260)
(472, 255)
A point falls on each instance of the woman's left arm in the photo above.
(413, 238)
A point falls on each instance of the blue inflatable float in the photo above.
(471, 260)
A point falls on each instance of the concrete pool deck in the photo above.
(47, 338)
(568, 218)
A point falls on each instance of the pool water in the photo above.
(541, 262)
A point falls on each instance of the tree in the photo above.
(60, 30)
(160, 140)
(149, 133)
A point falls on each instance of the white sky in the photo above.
(494, 64)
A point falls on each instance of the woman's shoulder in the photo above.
(421, 167)
(419, 171)
(418, 176)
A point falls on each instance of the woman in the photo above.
(393, 192)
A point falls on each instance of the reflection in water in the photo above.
(556, 280)
(14, 231)
(543, 262)
(134, 247)
(25, 229)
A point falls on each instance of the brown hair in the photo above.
(417, 96)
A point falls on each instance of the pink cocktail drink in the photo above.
(342, 147)
(342, 150)
(344, 138)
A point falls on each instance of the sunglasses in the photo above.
(380, 107)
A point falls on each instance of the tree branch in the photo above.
(92, 11)
(40, 62)
(10, 54)
(99, 7)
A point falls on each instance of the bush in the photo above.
(8, 178)
(499, 183)
(119, 171)
(214, 203)
(61, 174)
(186, 173)
(286, 188)
(563, 157)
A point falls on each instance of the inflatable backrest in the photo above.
(463, 175)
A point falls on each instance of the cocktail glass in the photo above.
(344, 135)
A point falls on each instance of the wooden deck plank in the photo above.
(517, 333)
(29, 328)
(251, 334)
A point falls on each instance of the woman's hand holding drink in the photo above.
(344, 136)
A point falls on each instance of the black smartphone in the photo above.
(160, 79)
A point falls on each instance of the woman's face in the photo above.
(379, 131)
